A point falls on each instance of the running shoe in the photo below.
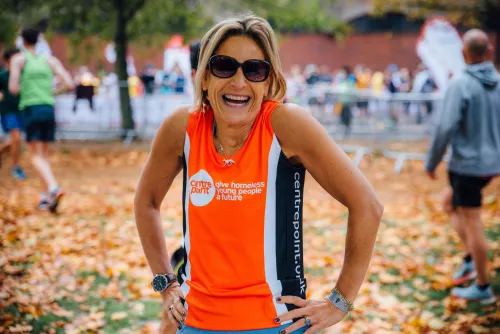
(54, 199)
(43, 205)
(465, 273)
(18, 173)
(485, 297)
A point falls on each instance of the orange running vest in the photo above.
(242, 224)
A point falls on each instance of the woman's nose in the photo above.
(238, 79)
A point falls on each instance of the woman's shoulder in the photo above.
(180, 114)
(289, 114)
(292, 125)
(183, 119)
(183, 114)
(173, 128)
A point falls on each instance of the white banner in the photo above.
(440, 49)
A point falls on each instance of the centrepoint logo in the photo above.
(201, 188)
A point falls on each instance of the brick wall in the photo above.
(374, 50)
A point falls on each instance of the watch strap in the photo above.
(170, 278)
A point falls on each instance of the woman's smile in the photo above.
(236, 100)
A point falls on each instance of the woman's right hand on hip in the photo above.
(173, 311)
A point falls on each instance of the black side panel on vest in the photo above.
(289, 234)
(182, 269)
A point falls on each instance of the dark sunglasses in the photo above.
(255, 70)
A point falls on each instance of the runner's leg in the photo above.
(41, 164)
(477, 242)
(15, 136)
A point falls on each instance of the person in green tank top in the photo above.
(32, 77)
(11, 119)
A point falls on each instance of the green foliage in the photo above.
(8, 31)
(481, 13)
(80, 19)
(301, 16)
(286, 15)
(167, 17)
(16, 13)
(151, 21)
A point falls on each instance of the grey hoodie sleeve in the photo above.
(451, 112)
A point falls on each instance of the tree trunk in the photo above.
(121, 44)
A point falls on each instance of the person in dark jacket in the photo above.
(470, 120)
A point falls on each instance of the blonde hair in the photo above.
(251, 26)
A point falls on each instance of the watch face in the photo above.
(159, 283)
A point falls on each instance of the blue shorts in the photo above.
(275, 330)
(11, 122)
(40, 123)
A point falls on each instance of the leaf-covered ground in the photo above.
(84, 270)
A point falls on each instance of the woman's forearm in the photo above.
(149, 225)
(363, 224)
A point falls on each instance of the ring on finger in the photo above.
(308, 321)
(171, 308)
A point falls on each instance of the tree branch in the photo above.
(134, 9)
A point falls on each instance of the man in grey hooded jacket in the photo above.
(470, 120)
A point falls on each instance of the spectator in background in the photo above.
(84, 88)
(174, 81)
(429, 87)
(296, 86)
(405, 86)
(405, 80)
(389, 83)
(324, 75)
(311, 74)
(148, 79)
(362, 83)
(315, 96)
(393, 78)
(346, 97)
(470, 120)
(110, 85)
(422, 75)
(180, 80)
(423, 83)
(11, 119)
(327, 99)
(194, 53)
(377, 83)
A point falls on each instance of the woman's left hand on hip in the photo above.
(318, 313)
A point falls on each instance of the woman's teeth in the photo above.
(235, 101)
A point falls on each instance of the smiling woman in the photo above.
(244, 156)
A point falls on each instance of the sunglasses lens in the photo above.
(223, 67)
(256, 70)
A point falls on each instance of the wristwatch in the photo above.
(338, 299)
(162, 281)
